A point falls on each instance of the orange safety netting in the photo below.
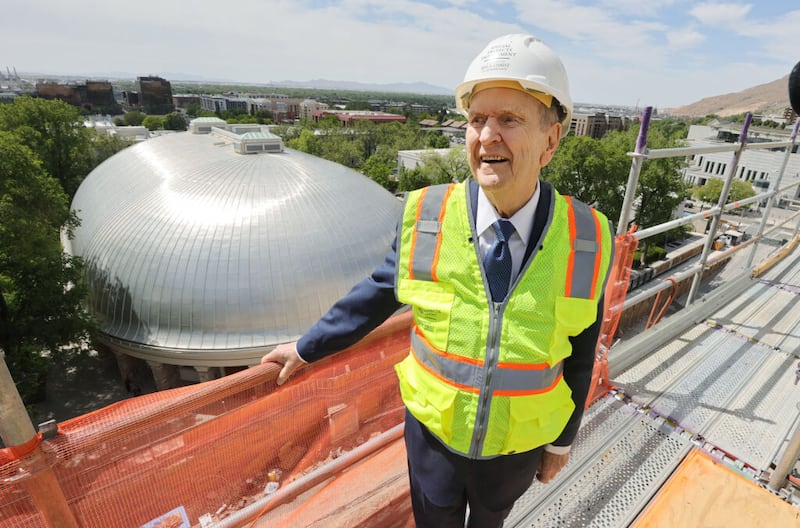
(322, 450)
(213, 449)
(619, 277)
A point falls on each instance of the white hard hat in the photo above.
(524, 59)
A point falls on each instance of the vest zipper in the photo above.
(492, 355)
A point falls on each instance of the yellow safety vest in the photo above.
(485, 377)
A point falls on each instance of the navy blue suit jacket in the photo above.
(373, 300)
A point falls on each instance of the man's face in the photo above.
(507, 145)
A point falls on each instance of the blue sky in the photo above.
(660, 53)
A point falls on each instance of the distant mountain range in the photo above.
(770, 99)
(322, 84)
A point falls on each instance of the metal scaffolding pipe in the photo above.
(781, 472)
(633, 177)
(38, 479)
(723, 198)
(773, 188)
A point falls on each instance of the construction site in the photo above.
(693, 417)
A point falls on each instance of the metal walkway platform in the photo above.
(725, 384)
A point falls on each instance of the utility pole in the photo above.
(35, 476)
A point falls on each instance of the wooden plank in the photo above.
(704, 492)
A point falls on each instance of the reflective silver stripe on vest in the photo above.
(587, 251)
(469, 375)
(427, 230)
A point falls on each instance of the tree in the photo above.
(411, 179)
(449, 168)
(174, 121)
(592, 170)
(192, 109)
(133, 118)
(54, 131)
(339, 146)
(41, 287)
(358, 105)
(103, 147)
(307, 142)
(378, 170)
(436, 140)
(740, 190)
(152, 122)
(596, 172)
(710, 191)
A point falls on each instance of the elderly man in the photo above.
(505, 277)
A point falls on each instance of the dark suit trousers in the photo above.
(443, 482)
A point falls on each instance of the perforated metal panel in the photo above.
(619, 461)
(726, 385)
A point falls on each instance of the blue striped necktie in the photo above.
(497, 262)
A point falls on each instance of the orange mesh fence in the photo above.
(196, 455)
(616, 289)
(212, 454)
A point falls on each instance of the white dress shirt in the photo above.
(523, 224)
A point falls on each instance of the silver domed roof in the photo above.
(191, 247)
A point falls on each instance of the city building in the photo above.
(598, 124)
(281, 108)
(309, 106)
(155, 95)
(409, 159)
(757, 166)
(181, 100)
(349, 117)
(91, 96)
(104, 126)
(202, 256)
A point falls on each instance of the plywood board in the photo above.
(702, 492)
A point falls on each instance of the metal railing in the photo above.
(641, 154)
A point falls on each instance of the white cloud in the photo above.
(667, 52)
(636, 7)
(721, 14)
(685, 38)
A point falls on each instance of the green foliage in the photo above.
(436, 140)
(410, 179)
(103, 147)
(153, 122)
(366, 146)
(54, 131)
(358, 105)
(192, 109)
(740, 190)
(324, 95)
(711, 191)
(594, 171)
(661, 186)
(378, 170)
(449, 168)
(307, 142)
(133, 118)
(174, 121)
(41, 287)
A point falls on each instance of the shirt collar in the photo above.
(522, 219)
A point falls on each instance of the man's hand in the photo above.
(284, 354)
(549, 466)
